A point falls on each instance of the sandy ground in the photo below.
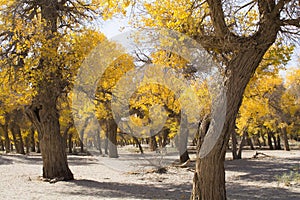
(131, 177)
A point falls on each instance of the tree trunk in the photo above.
(285, 139)
(106, 141)
(138, 143)
(242, 144)
(6, 136)
(165, 137)
(209, 179)
(32, 139)
(270, 140)
(152, 143)
(70, 142)
(249, 142)
(278, 142)
(99, 142)
(2, 145)
(38, 150)
(183, 140)
(112, 139)
(234, 145)
(46, 120)
(275, 142)
(27, 144)
(18, 137)
(15, 141)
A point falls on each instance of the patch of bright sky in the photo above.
(119, 25)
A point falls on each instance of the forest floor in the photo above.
(272, 175)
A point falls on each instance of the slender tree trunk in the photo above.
(249, 142)
(278, 142)
(15, 141)
(70, 142)
(106, 142)
(2, 145)
(242, 144)
(32, 139)
(152, 143)
(183, 140)
(138, 143)
(19, 139)
(99, 142)
(209, 179)
(285, 139)
(27, 144)
(234, 145)
(6, 136)
(38, 150)
(165, 138)
(270, 140)
(275, 142)
(264, 140)
(112, 139)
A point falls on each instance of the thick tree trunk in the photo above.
(209, 180)
(46, 119)
(112, 139)
(285, 139)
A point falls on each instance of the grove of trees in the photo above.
(44, 43)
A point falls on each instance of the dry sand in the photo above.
(131, 177)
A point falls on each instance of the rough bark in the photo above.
(210, 180)
(52, 145)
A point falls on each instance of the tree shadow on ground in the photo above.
(102, 190)
(237, 191)
(260, 169)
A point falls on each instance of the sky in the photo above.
(116, 26)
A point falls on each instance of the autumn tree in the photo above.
(238, 35)
(36, 36)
